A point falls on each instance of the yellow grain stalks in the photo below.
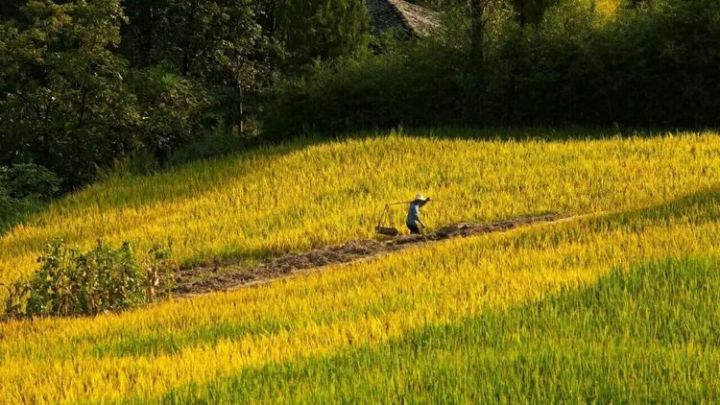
(293, 198)
(246, 203)
(148, 352)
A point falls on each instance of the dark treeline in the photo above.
(649, 63)
(87, 83)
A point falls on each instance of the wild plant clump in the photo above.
(74, 283)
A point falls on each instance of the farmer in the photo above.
(413, 221)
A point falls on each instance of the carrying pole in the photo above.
(382, 216)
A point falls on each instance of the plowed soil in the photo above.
(206, 279)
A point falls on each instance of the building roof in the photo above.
(402, 17)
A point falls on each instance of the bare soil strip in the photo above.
(206, 279)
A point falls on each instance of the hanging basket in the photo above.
(385, 219)
(383, 230)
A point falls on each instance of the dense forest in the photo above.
(87, 86)
(520, 63)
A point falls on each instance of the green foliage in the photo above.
(652, 66)
(73, 283)
(69, 98)
(196, 39)
(10, 9)
(7, 207)
(211, 144)
(531, 11)
(64, 101)
(172, 108)
(29, 181)
(24, 188)
(418, 84)
(223, 45)
(322, 30)
(13, 211)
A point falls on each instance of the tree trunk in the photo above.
(477, 15)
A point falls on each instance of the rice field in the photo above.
(307, 195)
(620, 305)
(596, 344)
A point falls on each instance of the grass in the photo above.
(202, 349)
(270, 201)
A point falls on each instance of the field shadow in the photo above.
(568, 339)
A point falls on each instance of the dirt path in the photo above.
(205, 279)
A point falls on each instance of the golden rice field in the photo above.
(523, 315)
(294, 198)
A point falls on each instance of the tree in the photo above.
(172, 108)
(225, 45)
(64, 101)
(146, 28)
(637, 4)
(478, 15)
(10, 9)
(321, 29)
(532, 11)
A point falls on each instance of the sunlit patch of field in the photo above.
(265, 202)
(210, 340)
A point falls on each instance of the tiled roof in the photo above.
(401, 17)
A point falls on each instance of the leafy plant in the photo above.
(63, 98)
(24, 188)
(6, 205)
(73, 283)
(29, 181)
(172, 108)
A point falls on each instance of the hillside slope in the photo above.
(452, 320)
(603, 306)
(293, 198)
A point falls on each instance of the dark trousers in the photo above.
(414, 228)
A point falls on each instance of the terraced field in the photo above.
(621, 304)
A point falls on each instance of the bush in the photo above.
(13, 211)
(23, 190)
(212, 143)
(6, 207)
(649, 66)
(29, 181)
(417, 84)
(172, 109)
(73, 283)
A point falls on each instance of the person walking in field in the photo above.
(413, 221)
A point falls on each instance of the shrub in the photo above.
(29, 181)
(6, 206)
(73, 283)
(416, 85)
(652, 66)
(24, 188)
(13, 211)
(172, 108)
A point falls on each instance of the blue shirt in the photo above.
(413, 213)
